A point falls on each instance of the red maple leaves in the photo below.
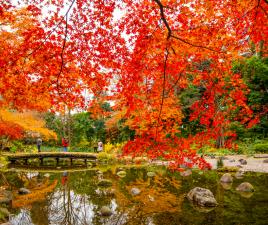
(141, 54)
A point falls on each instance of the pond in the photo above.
(135, 197)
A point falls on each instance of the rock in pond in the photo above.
(243, 161)
(4, 212)
(245, 187)
(121, 173)
(239, 174)
(226, 178)
(151, 174)
(226, 186)
(105, 183)
(24, 191)
(231, 160)
(135, 191)
(202, 197)
(99, 172)
(5, 197)
(186, 173)
(105, 211)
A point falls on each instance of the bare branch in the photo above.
(161, 7)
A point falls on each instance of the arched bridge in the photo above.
(54, 155)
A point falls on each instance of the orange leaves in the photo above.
(27, 123)
(145, 59)
(10, 130)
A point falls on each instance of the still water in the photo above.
(76, 197)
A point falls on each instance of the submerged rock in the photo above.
(105, 183)
(4, 212)
(151, 198)
(24, 191)
(151, 174)
(245, 187)
(226, 186)
(135, 191)
(226, 178)
(105, 211)
(5, 197)
(202, 197)
(121, 173)
(239, 174)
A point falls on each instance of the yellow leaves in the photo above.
(29, 121)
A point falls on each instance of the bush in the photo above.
(105, 157)
(113, 148)
(262, 147)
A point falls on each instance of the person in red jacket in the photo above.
(65, 144)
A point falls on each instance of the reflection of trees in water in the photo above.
(67, 208)
(23, 218)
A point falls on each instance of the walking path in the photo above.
(254, 164)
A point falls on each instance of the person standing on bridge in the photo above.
(100, 146)
(65, 144)
(39, 143)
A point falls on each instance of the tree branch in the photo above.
(163, 90)
(161, 7)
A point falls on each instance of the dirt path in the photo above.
(253, 164)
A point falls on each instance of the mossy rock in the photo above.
(4, 213)
(105, 183)
(121, 173)
(5, 197)
(245, 187)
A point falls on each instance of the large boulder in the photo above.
(202, 197)
(245, 187)
(226, 178)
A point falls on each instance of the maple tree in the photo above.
(19, 125)
(141, 55)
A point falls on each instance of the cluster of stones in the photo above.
(205, 198)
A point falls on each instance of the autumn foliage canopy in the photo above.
(139, 54)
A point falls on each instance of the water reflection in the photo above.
(74, 198)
